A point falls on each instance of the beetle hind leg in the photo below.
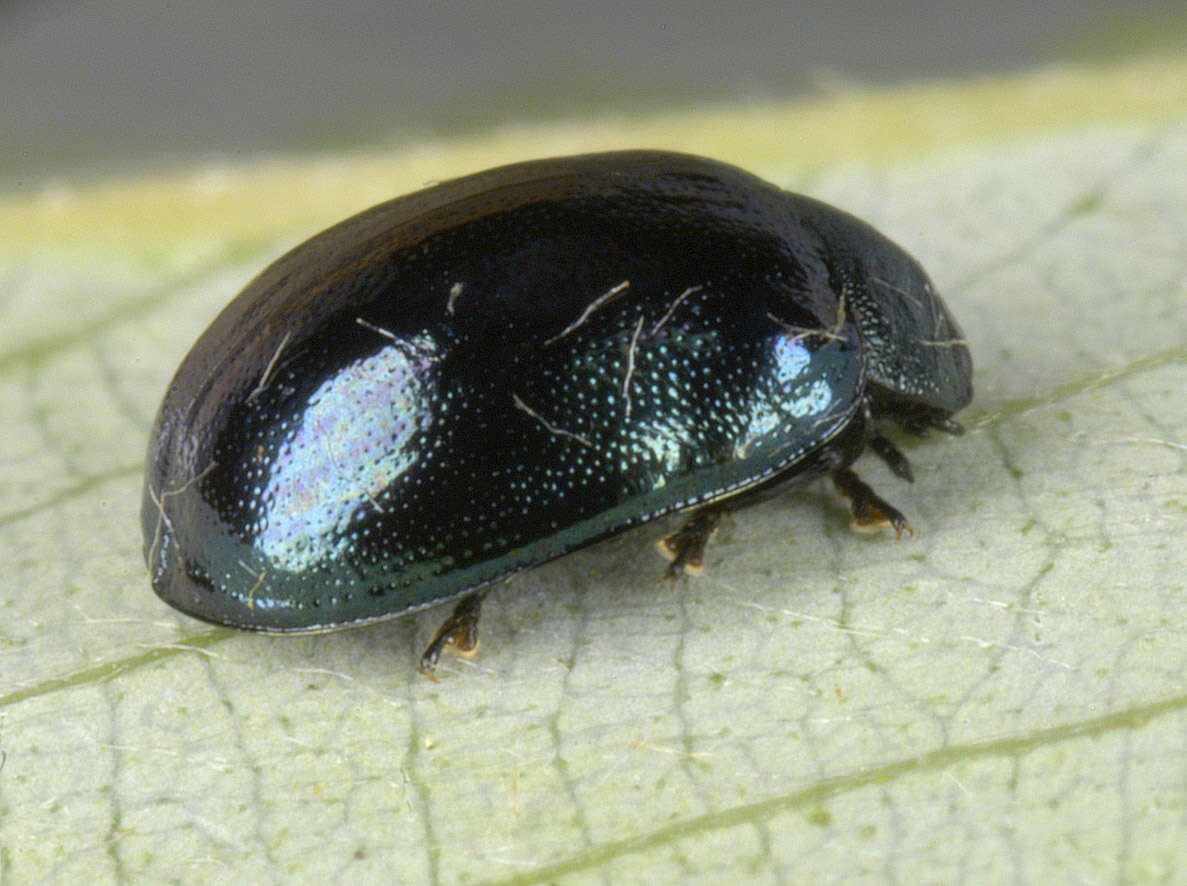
(460, 630)
(869, 510)
(686, 546)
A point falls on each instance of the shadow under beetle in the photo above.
(470, 380)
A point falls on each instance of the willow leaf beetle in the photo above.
(461, 383)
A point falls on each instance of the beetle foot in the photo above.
(460, 630)
(686, 547)
(895, 460)
(869, 511)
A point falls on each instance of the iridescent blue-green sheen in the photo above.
(459, 384)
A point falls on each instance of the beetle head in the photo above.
(918, 361)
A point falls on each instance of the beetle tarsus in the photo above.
(460, 630)
(868, 509)
(686, 547)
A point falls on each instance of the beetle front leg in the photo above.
(869, 510)
(460, 630)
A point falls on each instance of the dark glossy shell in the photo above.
(464, 382)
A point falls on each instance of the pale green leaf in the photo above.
(1002, 697)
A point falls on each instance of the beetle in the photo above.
(470, 380)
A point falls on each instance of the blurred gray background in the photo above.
(97, 87)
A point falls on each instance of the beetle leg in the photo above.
(686, 547)
(895, 460)
(921, 423)
(459, 630)
(869, 511)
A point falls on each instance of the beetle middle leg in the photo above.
(869, 510)
(460, 630)
(686, 546)
(895, 460)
